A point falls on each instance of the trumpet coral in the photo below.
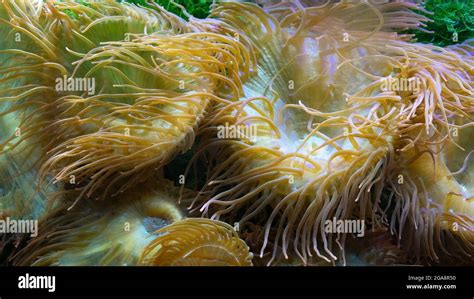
(98, 233)
(197, 242)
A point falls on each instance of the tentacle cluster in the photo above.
(197, 242)
(152, 90)
(296, 120)
(100, 234)
(328, 132)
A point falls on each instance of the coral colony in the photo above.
(235, 133)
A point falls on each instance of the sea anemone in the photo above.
(139, 125)
(19, 197)
(376, 248)
(197, 242)
(433, 198)
(36, 51)
(153, 90)
(101, 233)
(431, 180)
(299, 113)
(325, 128)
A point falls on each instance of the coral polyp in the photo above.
(294, 132)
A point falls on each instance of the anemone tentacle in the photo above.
(97, 233)
(197, 242)
(153, 90)
(325, 127)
